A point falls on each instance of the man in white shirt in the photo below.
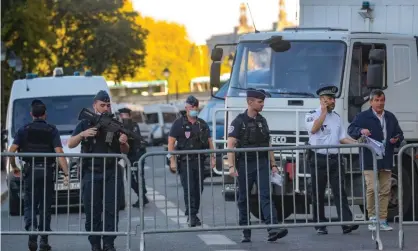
(325, 127)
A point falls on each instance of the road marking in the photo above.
(180, 220)
(156, 197)
(216, 239)
(161, 204)
(171, 212)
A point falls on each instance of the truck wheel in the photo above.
(278, 203)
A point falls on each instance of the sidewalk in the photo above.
(4, 188)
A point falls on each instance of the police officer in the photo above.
(136, 150)
(191, 133)
(95, 177)
(38, 137)
(248, 130)
(325, 127)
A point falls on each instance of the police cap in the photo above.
(191, 100)
(125, 110)
(258, 94)
(102, 96)
(38, 108)
(327, 90)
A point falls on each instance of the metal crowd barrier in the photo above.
(52, 190)
(407, 164)
(176, 222)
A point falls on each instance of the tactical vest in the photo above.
(191, 140)
(98, 144)
(38, 139)
(254, 133)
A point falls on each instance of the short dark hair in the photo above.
(376, 93)
(38, 108)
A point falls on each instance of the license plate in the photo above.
(70, 186)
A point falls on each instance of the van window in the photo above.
(169, 117)
(61, 111)
(151, 118)
(137, 117)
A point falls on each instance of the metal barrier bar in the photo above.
(37, 188)
(328, 168)
(410, 169)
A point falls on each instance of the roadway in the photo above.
(215, 213)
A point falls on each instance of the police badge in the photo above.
(187, 134)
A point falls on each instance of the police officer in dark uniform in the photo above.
(38, 137)
(249, 130)
(325, 127)
(136, 150)
(101, 174)
(191, 133)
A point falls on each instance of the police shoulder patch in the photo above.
(310, 119)
(313, 111)
(231, 129)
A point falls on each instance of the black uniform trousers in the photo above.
(319, 179)
(38, 189)
(247, 177)
(100, 197)
(135, 178)
(192, 181)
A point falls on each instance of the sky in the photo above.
(204, 18)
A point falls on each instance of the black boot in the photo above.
(43, 245)
(108, 247)
(33, 242)
(136, 204)
(96, 247)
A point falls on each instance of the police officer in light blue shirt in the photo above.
(325, 127)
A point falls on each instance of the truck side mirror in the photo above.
(215, 69)
(375, 76)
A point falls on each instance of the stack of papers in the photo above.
(377, 146)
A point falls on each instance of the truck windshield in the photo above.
(298, 72)
(61, 111)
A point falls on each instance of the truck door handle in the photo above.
(295, 102)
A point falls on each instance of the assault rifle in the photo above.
(107, 123)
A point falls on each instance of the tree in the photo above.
(168, 46)
(99, 35)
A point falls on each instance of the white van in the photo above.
(160, 118)
(64, 97)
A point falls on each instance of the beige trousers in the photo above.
(384, 192)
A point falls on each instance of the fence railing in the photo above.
(95, 188)
(407, 187)
(271, 204)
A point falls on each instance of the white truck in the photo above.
(372, 46)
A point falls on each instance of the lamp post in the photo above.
(166, 74)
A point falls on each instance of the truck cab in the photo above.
(291, 65)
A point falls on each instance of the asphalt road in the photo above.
(166, 211)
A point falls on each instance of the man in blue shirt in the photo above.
(38, 137)
(381, 125)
